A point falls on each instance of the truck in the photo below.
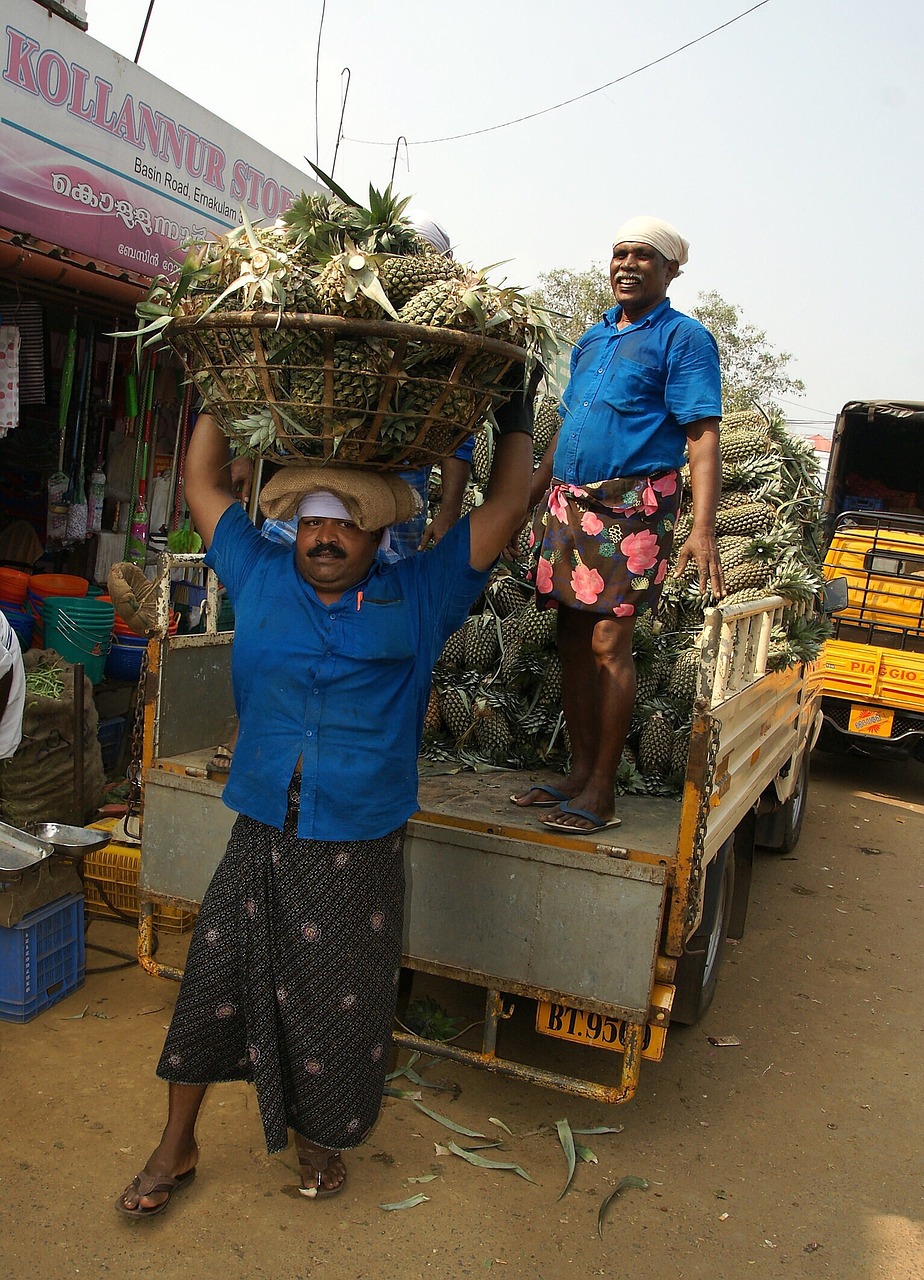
(873, 530)
(601, 942)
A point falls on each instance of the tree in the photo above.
(753, 374)
(578, 298)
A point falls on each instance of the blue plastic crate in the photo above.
(42, 959)
(110, 740)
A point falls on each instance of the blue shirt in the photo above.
(344, 686)
(632, 392)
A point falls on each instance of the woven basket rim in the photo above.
(348, 326)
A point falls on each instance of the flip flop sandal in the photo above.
(220, 764)
(558, 797)
(596, 822)
(318, 1191)
(148, 1184)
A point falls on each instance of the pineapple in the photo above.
(679, 752)
(740, 446)
(405, 275)
(746, 518)
(748, 595)
(349, 285)
(546, 425)
(550, 688)
(433, 721)
(482, 643)
(506, 596)
(439, 304)
(481, 457)
(750, 574)
(493, 734)
(681, 687)
(656, 742)
(414, 401)
(732, 551)
(456, 710)
(453, 655)
(538, 628)
(357, 368)
(511, 645)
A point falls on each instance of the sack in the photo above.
(37, 783)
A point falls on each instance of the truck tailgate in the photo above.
(865, 674)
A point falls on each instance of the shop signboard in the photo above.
(100, 157)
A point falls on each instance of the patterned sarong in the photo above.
(292, 977)
(604, 547)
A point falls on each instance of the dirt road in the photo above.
(796, 1154)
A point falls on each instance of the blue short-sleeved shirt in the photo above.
(344, 686)
(631, 394)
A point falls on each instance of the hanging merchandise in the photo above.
(136, 547)
(56, 522)
(96, 493)
(137, 543)
(179, 453)
(9, 378)
(76, 496)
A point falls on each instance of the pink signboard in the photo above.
(100, 157)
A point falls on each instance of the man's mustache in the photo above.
(327, 549)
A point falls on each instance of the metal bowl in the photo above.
(19, 852)
(73, 842)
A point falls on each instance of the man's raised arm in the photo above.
(506, 504)
(207, 484)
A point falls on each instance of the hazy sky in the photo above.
(786, 148)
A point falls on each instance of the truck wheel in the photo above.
(698, 968)
(778, 831)
(786, 824)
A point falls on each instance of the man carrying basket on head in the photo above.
(293, 966)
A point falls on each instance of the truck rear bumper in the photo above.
(905, 738)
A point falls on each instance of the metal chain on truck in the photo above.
(702, 818)
(133, 772)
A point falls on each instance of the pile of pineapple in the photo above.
(496, 696)
(326, 391)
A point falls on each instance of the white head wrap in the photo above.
(431, 231)
(324, 506)
(659, 234)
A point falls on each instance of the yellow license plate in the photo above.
(876, 722)
(596, 1029)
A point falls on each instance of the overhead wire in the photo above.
(533, 115)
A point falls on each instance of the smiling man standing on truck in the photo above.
(644, 389)
(292, 972)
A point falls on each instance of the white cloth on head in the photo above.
(322, 505)
(659, 234)
(431, 231)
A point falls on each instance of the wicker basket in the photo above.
(320, 389)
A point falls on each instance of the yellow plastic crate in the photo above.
(115, 869)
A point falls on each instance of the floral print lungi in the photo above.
(292, 978)
(604, 547)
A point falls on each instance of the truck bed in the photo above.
(482, 801)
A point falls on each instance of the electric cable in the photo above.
(474, 133)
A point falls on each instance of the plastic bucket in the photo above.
(14, 584)
(125, 657)
(80, 631)
(57, 584)
(22, 623)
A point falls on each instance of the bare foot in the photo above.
(323, 1170)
